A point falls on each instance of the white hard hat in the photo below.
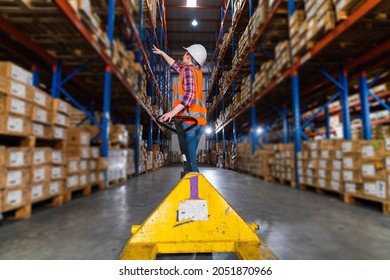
(198, 52)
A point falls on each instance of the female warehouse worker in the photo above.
(188, 95)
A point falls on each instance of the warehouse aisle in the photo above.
(294, 224)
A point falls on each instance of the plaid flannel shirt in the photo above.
(188, 83)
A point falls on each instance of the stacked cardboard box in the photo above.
(15, 166)
(282, 162)
(117, 164)
(297, 29)
(58, 172)
(282, 56)
(150, 7)
(41, 173)
(261, 164)
(244, 155)
(238, 6)
(346, 7)
(320, 19)
(15, 100)
(259, 16)
(130, 166)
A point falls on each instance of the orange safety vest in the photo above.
(198, 108)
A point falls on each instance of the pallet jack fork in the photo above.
(195, 218)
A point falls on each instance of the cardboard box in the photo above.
(355, 188)
(41, 156)
(336, 186)
(56, 187)
(78, 151)
(93, 165)
(14, 105)
(59, 119)
(95, 152)
(100, 177)
(72, 181)
(83, 179)
(84, 166)
(79, 137)
(14, 88)
(323, 183)
(376, 189)
(14, 198)
(372, 149)
(337, 164)
(13, 71)
(59, 133)
(102, 163)
(61, 106)
(40, 174)
(352, 162)
(58, 157)
(58, 173)
(373, 170)
(93, 178)
(17, 157)
(14, 125)
(40, 115)
(351, 147)
(40, 98)
(323, 173)
(39, 191)
(73, 165)
(352, 176)
(42, 130)
(17, 178)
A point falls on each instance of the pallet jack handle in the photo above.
(178, 120)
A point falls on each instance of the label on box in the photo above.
(59, 133)
(339, 154)
(368, 169)
(387, 141)
(381, 189)
(323, 163)
(335, 185)
(73, 166)
(309, 181)
(57, 157)
(41, 115)
(92, 177)
(15, 124)
(37, 129)
(325, 154)
(368, 151)
(350, 187)
(95, 152)
(14, 178)
(18, 106)
(300, 171)
(336, 176)
(348, 162)
(313, 154)
(54, 188)
(36, 191)
(309, 172)
(17, 73)
(56, 172)
(61, 119)
(39, 157)
(84, 139)
(321, 173)
(348, 175)
(83, 179)
(347, 147)
(337, 164)
(313, 145)
(83, 165)
(300, 163)
(18, 89)
(72, 181)
(39, 174)
(85, 152)
(16, 159)
(321, 183)
(40, 98)
(63, 106)
(14, 197)
(370, 188)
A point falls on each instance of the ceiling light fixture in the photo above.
(194, 22)
(191, 3)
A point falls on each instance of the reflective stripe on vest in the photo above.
(198, 108)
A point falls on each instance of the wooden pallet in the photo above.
(351, 198)
(19, 213)
(68, 194)
(319, 190)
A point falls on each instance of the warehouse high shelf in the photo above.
(370, 51)
(80, 46)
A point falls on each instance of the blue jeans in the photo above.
(193, 137)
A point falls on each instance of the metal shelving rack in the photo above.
(308, 81)
(42, 59)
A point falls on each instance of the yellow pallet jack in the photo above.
(194, 218)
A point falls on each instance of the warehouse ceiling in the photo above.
(182, 33)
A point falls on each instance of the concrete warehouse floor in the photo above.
(294, 224)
